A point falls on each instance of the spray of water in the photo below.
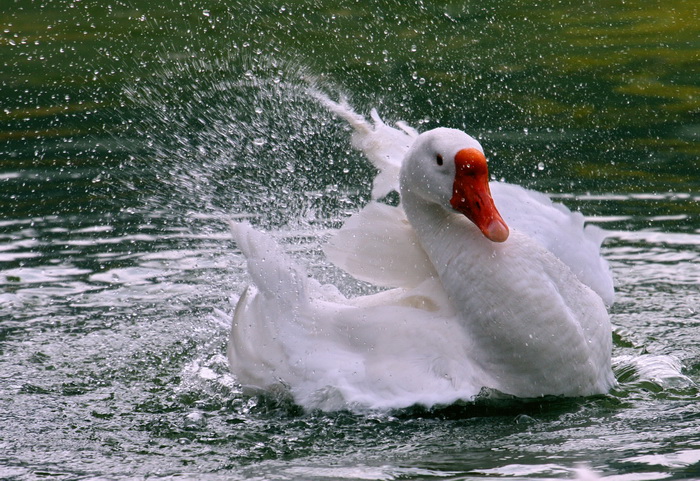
(241, 136)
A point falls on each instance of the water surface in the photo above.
(130, 132)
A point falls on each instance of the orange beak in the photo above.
(472, 197)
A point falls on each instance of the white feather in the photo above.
(378, 245)
(465, 313)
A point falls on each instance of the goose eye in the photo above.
(438, 159)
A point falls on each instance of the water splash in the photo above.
(654, 373)
(240, 136)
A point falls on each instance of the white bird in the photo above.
(490, 286)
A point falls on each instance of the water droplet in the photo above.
(194, 420)
(525, 419)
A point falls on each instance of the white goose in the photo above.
(473, 303)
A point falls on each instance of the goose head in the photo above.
(447, 167)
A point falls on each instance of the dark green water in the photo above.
(129, 131)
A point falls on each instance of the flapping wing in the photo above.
(378, 245)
